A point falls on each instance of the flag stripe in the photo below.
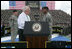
(16, 4)
(49, 4)
(21, 4)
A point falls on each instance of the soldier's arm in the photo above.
(49, 19)
(11, 21)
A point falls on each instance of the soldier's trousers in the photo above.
(13, 35)
(50, 36)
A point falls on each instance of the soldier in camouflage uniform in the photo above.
(13, 25)
(47, 18)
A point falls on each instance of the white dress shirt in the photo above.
(21, 20)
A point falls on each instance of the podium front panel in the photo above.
(33, 28)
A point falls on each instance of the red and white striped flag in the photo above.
(16, 4)
(49, 4)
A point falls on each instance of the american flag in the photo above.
(49, 4)
(16, 4)
(21, 4)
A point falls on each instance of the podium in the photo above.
(36, 33)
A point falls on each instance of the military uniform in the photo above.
(48, 18)
(14, 27)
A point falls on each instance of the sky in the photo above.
(63, 5)
(60, 5)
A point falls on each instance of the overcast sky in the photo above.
(60, 5)
(63, 5)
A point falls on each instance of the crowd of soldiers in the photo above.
(5, 31)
